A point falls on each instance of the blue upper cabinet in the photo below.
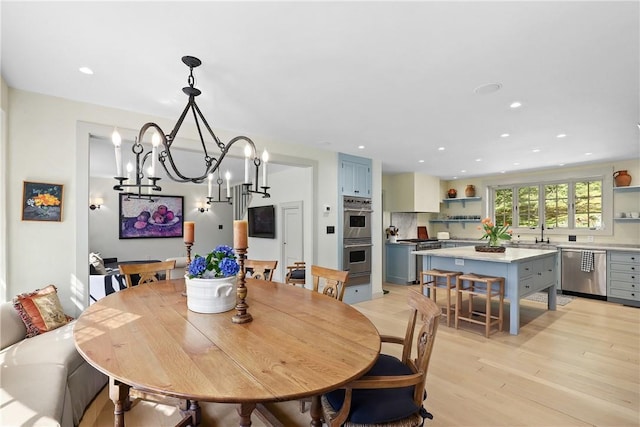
(355, 175)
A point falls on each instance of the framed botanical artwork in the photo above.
(157, 217)
(41, 201)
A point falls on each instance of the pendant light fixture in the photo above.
(162, 143)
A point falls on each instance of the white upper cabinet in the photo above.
(411, 192)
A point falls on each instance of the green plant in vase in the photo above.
(494, 233)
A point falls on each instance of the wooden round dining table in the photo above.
(300, 344)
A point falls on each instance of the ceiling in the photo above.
(395, 77)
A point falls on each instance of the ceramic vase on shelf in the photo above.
(452, 193)
(211, 295)
(470, 191)
(622, 178)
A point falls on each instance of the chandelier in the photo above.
(134, 185)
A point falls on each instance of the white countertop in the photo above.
(469, 252)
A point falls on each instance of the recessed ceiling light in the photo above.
(503, 171)
(561, 135)
(536, 150)
(440, 148)
(420, 161)
(455, 177)
(360, 147)
(463, 171)
(516, 164)
(560, 164)
(504, 135)
(588, 154)
(85, 70)
(515, 104)
(488, 88)
(478, 160)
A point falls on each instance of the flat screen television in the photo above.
(262, 221)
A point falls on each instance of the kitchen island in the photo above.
(525, 271)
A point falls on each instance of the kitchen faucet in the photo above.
(542, 235)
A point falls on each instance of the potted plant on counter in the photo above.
(493, 233)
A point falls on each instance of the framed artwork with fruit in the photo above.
(158, 217)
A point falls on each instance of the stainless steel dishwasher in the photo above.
(588, 283)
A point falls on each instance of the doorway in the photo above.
(292, 235)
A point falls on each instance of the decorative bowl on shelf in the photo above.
(452, 193)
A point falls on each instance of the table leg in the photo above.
(245, 410)
(119, 394)
(316, 412)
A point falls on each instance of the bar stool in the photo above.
(440, 279)
(479, 285)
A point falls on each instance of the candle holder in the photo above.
(241, 315)
(188, 245)
(186, 267)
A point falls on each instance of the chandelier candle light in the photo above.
(161, 150)
(240, 245)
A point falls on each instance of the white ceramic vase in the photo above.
(211, 295)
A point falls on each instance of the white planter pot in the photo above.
(211, 295)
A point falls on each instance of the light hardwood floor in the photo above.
(577, 366)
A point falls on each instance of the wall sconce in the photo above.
(200, 207)
(96, 204)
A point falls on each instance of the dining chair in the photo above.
(180, 269)
(296, 273)
(260, 269)
(333, 281)
(147, 272)
(392, 392)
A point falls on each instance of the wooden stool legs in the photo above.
(479, 285)
(440, 279)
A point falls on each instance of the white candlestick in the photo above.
(117, 142)
(227, 177)
(247, 155)
(155, 141)
(209, 184)
(129, 171)
(265, 160)
(149, 170)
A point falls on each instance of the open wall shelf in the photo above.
(462, 200)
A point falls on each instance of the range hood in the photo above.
(411, 192)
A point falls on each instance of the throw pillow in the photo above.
(41, 310)
(97, 262)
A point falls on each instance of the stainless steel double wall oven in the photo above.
(357, 239)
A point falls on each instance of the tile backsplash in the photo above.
(407, 223)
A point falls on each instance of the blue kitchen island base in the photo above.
(526, 271)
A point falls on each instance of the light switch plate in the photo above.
(459, 261)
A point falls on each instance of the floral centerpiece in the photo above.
(221, 262)
(494, 233)
(211, 281)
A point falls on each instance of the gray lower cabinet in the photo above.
(400, 266)
(357, 293)
(623, 277)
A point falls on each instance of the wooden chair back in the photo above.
(296, 273)
(334, 281)
(180, 269)
(260, 269)
(147, 272)
(424, 310)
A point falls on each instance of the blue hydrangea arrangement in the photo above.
(221, 262)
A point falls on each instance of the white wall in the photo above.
(292, 185)
(48, 140)
(104, 231)
(616, 232)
